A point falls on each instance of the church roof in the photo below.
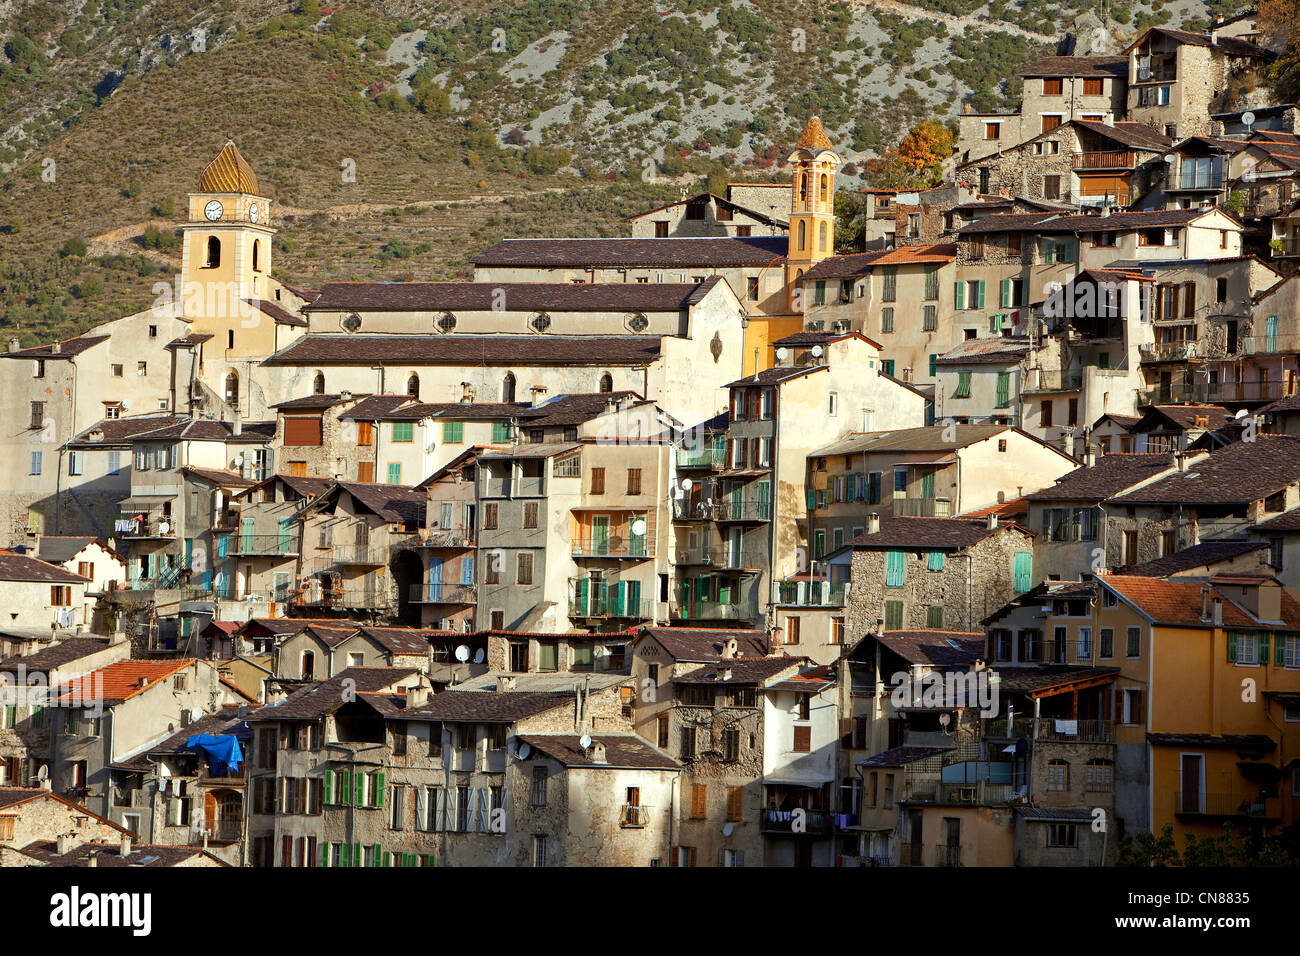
(814, 136)
(229, 173)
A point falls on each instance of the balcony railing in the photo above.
(911, 854)
(228, 831)
(744, 509)
(1289, 247)
(149, 526)
(1105, 159)
(344, 598)
(428, 593)
(811, 593)
(922, 507)
(633, 817)
(264, 544)
(711, 458)
(1075, 731)
(612, 606)
(357, 554)
(1174, 351)
(947, 856)
(1219, 804)
(449, 538)
(715, 611)
(981, 793)
(512, 487)
(812, 822)
(1269, 344)
(694, 509)
(1045, 380)
(745, 559)
(613, 546)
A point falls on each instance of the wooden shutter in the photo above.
(366, 472)
(300, 430)
(735, 803)
(802, 740)
(699, 801)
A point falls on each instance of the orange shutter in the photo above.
(302, 431)
(699, 801)
(365, 471)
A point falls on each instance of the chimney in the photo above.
(1179, 460)
(873, 523)
(466, 393)
(539, 394)
(63, 844)
(598, 752)
(346, 395)
(966, 108)
(1089, 458)
(1218, 612)
(1069, 444)
(729, 649)
(15, 345)
(991, 521)
(1270, 601)
(506, 682)
(237, 426)
(142, 683)
(93, 858)
(416, 697)
(126, 844)
(56, 348)
(724, 673)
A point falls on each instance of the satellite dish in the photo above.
(478, 656)
(239, 461)
(164, 527)
(687, 484)
(585, 742)
(462, 653)
(945, 720)
(1241, 413)
(729, 829)
(1248, 118)
(126, 403)
(1170, 158)
(781, 353)
(816, 351)
(523, 751)
(638, 527)
(43, 773)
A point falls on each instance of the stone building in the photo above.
(710, 215)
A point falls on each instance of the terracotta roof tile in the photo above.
(702, 253)
(458, 350)
(121, 680)
(513, 296)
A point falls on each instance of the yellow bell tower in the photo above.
(812, 206)
(226, 258)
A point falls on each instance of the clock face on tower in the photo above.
(213, 210)
(253, 212)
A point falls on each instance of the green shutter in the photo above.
(429, 860)
(453, 433)
(388, 858)
(358, 790)
(1005, 293)
(959, 295)
(379, 789)
(403, 431)
(345, 854)
(935, 561)
(812, 500)
(620, 599)
(934, 363)
(329, 786)
(345, 788)
(500, 431)
(894, 569)
(1263, 648)
(934, 616)
(357, 858)
(979, 294)
(1004, 389)
(893, 615)
(1024, 570)
(324, 854)
(1232, 647)
(583, 591)
(395, 473)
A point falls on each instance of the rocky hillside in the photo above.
(399, 137)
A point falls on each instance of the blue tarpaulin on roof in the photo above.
(223, 752)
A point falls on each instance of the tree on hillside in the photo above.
(925, 148)
(1279, 21)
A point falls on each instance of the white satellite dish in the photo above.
(164, 527)
(945, 720)
(816, 351)
(687, 484)
(781, 353)
(1248, 118)
(1170, 158)
(523, 751)
(126, 403)
(585, 742)
(638, 527)
(478, 656)
(729, 829)
(43, 773)
(1241, 413)
(462, 653)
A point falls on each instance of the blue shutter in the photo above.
(894, 569)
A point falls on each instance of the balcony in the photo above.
(947, 856)
(911, 854)
(1075, 731)
(611, 605)
(743, 509)
(811, 594)
(135, 527)
(227, 831)
(1166, 394)
(715, 611)
(1251, 806)
(1286, 248)
(981, 793)
(613, 546)
(633, 817)
(1174, 351)
(429, 593)
(247, 545)
(726, 559)
(784, 822)
(1269, 344)
(343, 599)
(357, 554)
(922, 507)
(1053, 380)
(1105, 159)
(705, 458)
(511, 487)
(694, 509)
(459, 537)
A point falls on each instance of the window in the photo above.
(699, 801)
(508, 388)
(688, 742)
(1092, 86)
(887, 319)
(992, 130)
(731, 745)
(530, 514)
(1134, 644)
(1099, 776)
(802, 739)
(831, 403)
(1058, 775)
(35, 463)
(1045, 413)
(963, 385)
(490, 516)
(889, 284)
(116, 370)
(735, 803)
(60, 595)
(524, 568)
(1051, 121)
(395, 473)
(213, 260)
(403, 431)
(1063, 835)
(1053, 86)
(598, 481)
(929, 318)
(539, 850)
(634, 481)
(453, 433)
(1132, 712)
(74, 462)
(1052, 187)
(792, 630)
